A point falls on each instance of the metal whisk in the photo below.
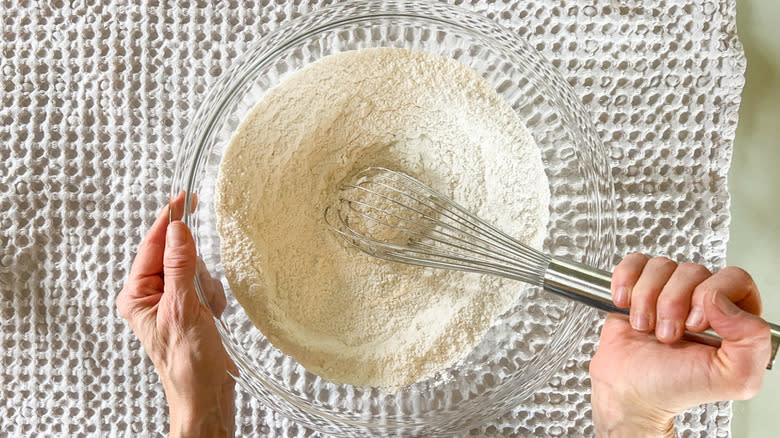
(393, 216)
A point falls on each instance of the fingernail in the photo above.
(724, 304)
(621, 296)
(666, 329)
(640, 321)
(176, 234)
(695, 318)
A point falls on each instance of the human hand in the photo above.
(160, 303)
(641, 379)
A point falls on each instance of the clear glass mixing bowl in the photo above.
(534, 338)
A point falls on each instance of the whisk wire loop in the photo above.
(429, 229)
(452, 211)
(433, 233)
(413, 256)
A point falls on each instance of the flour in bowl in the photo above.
(344, 315)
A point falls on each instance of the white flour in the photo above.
(343, 315)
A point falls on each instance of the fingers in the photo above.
(672, 297)
(645, 293)
(177, 205)
(745, 349)
(144, 279)
(212, 289)
(735, 284)
(168, 251)
(179, 266)
(624, 278)
(148, 260)
(674, 301)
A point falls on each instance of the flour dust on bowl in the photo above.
(526, 344)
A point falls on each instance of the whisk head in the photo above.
(393, 216)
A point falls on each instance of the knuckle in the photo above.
(122, 306)
(662, 262)
(181, 311)
(638, 256)
(761, 334)
(700, 290)
(176, 260)
(672, 304)
(633, 262)
(696, 269)
(644, 293)
(738, 274)
(643, 299)
(146, 247)
(628, 270)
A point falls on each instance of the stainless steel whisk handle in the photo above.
(592, 287)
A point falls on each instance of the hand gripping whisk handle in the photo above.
(592, 287)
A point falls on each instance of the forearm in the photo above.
(615, 417)
(200, 401)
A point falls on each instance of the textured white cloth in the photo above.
(95, 99)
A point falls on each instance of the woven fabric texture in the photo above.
(93, 99)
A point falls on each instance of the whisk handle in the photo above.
(591, 286)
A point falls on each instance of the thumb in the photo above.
(744, 351)
(179, 263)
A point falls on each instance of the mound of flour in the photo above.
(344, 315)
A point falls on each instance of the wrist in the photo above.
(617, 415)
(619, 428)
(192, 420)
(193, 416)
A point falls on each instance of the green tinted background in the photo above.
(754, 184)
